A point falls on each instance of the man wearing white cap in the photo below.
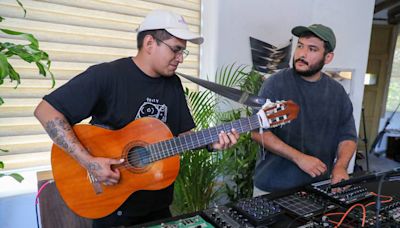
(116, 93)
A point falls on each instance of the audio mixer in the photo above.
(251, 212)
(346, 196)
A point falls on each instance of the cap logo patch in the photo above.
(181, 20)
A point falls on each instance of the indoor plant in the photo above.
(199, 183)
(30, 53)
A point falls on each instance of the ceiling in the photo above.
(387, 10)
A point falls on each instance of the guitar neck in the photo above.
(199, 139)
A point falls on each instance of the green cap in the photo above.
(321, 31)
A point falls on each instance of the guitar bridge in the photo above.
(96, 185)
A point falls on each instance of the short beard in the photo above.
(312, 70)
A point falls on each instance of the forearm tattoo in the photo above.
(58, 129)
(61, 133)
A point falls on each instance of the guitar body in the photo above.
(73, 182)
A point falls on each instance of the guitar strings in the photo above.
(146, 155)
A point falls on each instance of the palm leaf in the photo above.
(196, 186)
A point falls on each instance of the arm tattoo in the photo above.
(58, 130)
(93, 166)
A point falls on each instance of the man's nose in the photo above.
(179, 57)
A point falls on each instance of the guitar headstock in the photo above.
(274, 114)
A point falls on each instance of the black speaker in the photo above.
(393, 148)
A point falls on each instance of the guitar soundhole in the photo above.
(138, 157)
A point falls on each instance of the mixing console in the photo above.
(251, 212)
(347, 196)
(226, 217)
(259, 210)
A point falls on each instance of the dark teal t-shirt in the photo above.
(325, 119)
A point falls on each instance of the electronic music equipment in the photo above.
(304, 208)
(392, 211)
(388, 174)
(190, 222)
(346, 196)
(259, 210)
(150, 153)
(385, 218)
(305, 205)
(227, 217)
(316, 224)
(251, 212)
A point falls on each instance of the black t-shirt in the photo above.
(116, 93)
(325, 119)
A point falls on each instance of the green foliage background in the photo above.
(205, 177)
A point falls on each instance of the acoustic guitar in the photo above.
(151, 156)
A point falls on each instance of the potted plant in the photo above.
(242, 158)
(30, 53)
(199, 183)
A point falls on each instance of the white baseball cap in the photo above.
(172, 23)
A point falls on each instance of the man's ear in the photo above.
(148, 43)
(329, 57)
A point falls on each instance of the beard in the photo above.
(313, 69)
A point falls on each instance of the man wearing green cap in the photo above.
(320, 143)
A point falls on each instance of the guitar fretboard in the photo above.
(198, 139)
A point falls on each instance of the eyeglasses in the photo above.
(176, 51)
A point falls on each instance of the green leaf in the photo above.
(1, 165)
(29, 53)
(41, 68)
(53, 79)
(11, 32)
(22, 6)
(27, 36)
(14, 75)
(1, 19)
(3, 66)
(1, 99)
(3, 150)
(17, 177)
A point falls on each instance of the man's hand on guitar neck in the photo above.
(226, 140)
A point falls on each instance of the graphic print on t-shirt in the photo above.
(152, 108)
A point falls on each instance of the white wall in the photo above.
(227, 25)
(352, 23)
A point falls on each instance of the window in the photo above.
(393, 99)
